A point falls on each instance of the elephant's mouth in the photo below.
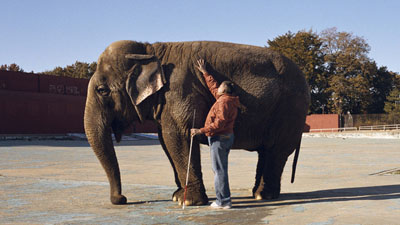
(118, 128)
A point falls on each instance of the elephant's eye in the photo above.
(103, 90)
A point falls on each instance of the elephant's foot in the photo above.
(176, 194)
(193, 197)
(118, 200)
(266, 195)
(261, 193)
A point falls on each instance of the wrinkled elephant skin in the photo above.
(140, 81)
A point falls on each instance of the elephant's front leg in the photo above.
(177, 146)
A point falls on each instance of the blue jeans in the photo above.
(220, 146)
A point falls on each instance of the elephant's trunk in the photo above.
(99, 136)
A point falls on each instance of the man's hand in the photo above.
(201, 65)
(195, 131)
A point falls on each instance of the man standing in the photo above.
(219, 130)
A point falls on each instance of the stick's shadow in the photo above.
(384, 192)
(147, 202)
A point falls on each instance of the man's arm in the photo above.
(213, 87)
(220, 120)
(211, 82)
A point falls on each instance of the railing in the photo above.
(334, 129)
(361, 128)
(381, 127)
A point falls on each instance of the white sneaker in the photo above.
(214, 205)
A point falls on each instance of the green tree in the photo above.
(382, 83)
(392, 105)
(304, 48)
(341, 75)
(12, 67)
(76, 70)
(349, 69)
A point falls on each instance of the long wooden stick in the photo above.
(188, 167)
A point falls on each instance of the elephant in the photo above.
(137, 81)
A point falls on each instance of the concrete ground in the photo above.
(338, 181)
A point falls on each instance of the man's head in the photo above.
(226, 87)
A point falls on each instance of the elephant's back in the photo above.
(266, 82)
(269, 85)
(260, 74)
(241, 63)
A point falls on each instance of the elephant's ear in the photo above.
(145, 78)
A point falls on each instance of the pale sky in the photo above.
(39, 35)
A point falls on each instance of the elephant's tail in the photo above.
(296, 156)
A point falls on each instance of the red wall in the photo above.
(36, 113)
(147, 127)
(17, 81)
(30, 82)
(62, 85)
(322, 121)
(43, 104)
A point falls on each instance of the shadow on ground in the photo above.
(332, 195)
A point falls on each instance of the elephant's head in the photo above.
(125, 78)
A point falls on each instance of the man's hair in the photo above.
(229, 87)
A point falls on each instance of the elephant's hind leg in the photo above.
(268, 177)
(259, 172)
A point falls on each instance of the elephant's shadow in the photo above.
(383, 192)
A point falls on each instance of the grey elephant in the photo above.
(140, 81)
